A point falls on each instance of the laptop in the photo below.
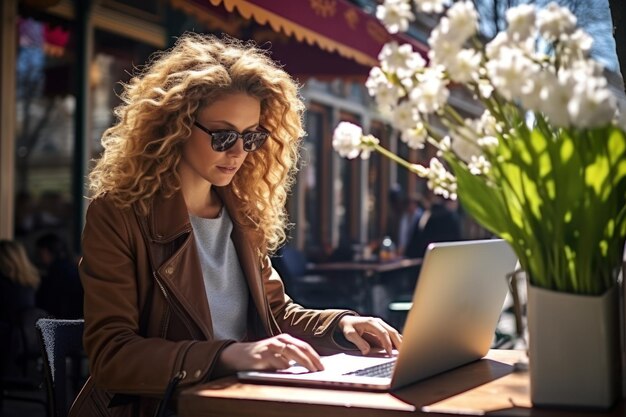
(456, 305)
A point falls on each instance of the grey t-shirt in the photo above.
(224, 282)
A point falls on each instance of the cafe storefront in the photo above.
(63, 62)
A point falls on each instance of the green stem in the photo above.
(395, 158)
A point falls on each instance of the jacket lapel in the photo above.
(176, 260)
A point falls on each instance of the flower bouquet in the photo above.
(543, 167)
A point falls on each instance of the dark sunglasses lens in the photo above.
(254, 140)
(222, 141)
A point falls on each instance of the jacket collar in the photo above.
(169, 217)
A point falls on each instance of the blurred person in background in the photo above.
(60, 293)
(19, 280)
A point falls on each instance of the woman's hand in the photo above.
(270, 354)
(368, 332)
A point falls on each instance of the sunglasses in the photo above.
(222, 140)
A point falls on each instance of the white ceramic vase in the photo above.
(573, 349)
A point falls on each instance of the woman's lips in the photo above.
(227, 170)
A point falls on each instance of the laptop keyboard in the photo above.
(384, 370)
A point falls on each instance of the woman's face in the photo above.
(237, 111)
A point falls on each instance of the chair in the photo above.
(60, 340)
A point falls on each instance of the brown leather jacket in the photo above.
(147, 318)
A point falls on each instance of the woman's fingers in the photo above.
(282, 349)
(367, 331)
(353, 336)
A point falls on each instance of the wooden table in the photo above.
(369, 272)
(486, 387)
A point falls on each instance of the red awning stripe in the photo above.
(333, 25)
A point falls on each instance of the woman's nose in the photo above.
(236, 149)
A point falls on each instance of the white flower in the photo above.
(440, 181)
(488, 124)
(395, 15)
(442, 50)
(430, 6)
(554, 99)
(509, 71)
(479, 165)
(493, 48)
(431, 93)
(415, 136)
(576, 46)
(463, 20)
(347, 139)
(388, 96)
(592, 104)
(376, 80)
(367, 144)
(554, 20)
(464, 66)
(460, 22)
(405, 115)
(488, 142)
(400, 59)
(521, 20)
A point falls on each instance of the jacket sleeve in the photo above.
(120, 359)
(316, 327)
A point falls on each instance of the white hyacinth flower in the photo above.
(367, 144)
(576, 46)
(388, 96)
(415, 137)
(400, 59)
(376, 80)
(493, 48)
(592, 104)
(554, 20)
(431, 93)
(488, 124)
(395, 15)
(488, 142)
(430, 6)
(347, 140)
(479, 165)
(440, 181)
(464, 66)
(462, 18)
(442, 50)
(521, 21)
(509, 71)
(555, 98)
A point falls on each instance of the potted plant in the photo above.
(544, 168)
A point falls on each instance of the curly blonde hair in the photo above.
(142, 150)
(15, 265)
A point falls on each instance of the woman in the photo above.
(19, 280)
(188, 202)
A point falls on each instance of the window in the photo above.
(44, 128)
